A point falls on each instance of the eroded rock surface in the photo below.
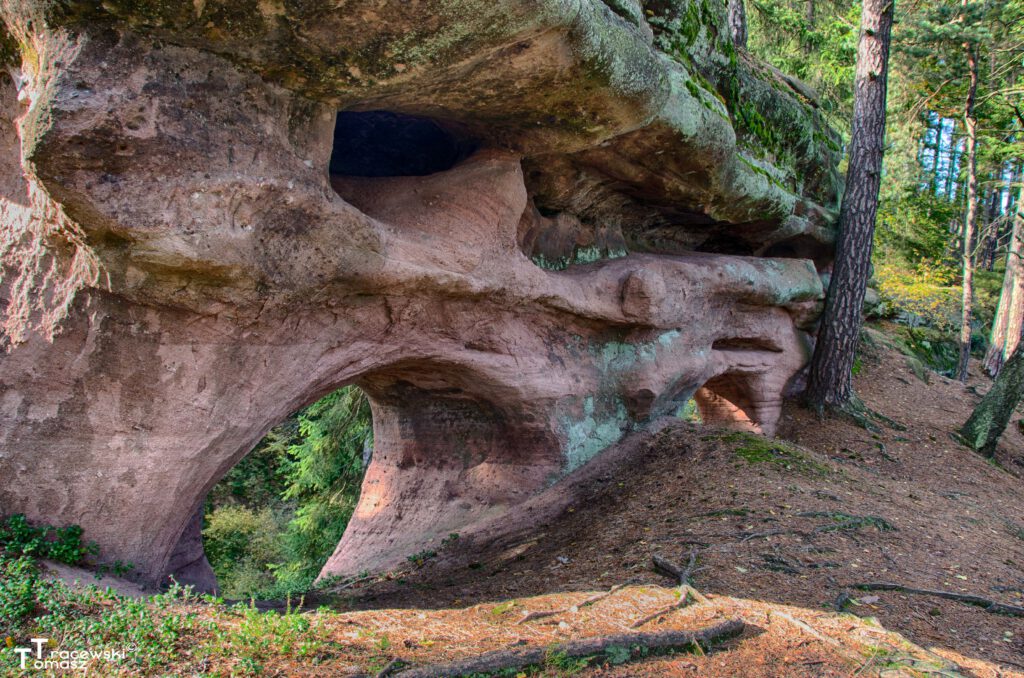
(549, 222)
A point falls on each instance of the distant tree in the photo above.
(832, 364)
(990, 418)
(971, 209)
(738, 23)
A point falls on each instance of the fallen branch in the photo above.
(970, 599)
(637, 644)
(533, 616)
(686, 594)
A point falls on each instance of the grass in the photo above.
(755, 449)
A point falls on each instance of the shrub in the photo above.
(63, 544)
(242, 545)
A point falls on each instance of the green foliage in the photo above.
(821, 50)
(19, 579)
(324, 473)
(924, 294)
(262, 634)
(63, 544)
(242, 544)
(419, 559)
(567, 665)
(616, 654)
(165, 634)
(915, 225)
(277, 516)
(755, 449)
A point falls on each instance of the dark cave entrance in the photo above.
(274, 519)
(387, 144)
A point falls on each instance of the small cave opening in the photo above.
(275, 518)
(725, 400)
(387, 144)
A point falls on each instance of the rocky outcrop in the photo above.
(535, 226)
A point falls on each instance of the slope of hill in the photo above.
(798, 521)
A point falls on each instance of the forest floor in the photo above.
(799, 522)
(781, 533)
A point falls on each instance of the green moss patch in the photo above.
(755, 449)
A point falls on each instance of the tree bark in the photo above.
(738, 23)
(1006, 326)
(971, 213)
(637, 645)
(829, 383)
(987, 260)
(990, 417)
(1015, 322)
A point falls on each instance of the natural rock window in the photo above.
(386, 144)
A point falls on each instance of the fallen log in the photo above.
(501, 660)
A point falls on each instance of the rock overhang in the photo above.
(186, 147)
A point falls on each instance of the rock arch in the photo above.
(239, 281)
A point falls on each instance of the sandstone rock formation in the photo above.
(544, 223)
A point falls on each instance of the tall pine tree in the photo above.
(830, 382)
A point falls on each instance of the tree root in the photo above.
(971, 599)
(666, 566)
(863, 416)
(687, 594)
(533, 616)
(637, 644)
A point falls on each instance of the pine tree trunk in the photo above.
(1010, 312)
(738, 23)
(829, 383)
(987, 260)
(971, 215)
(993, 413)
(1015, 322)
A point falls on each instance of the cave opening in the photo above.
(725, 400)
(388, 144)
(270, 524)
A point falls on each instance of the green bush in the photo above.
(241, 545)
(63, 544)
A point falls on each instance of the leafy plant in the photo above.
(418, 559)
(616, 654)
(63, 544)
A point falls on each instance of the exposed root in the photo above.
(543, 614)
(687, 594)
(971, 599)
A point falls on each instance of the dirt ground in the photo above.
(798, 523)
